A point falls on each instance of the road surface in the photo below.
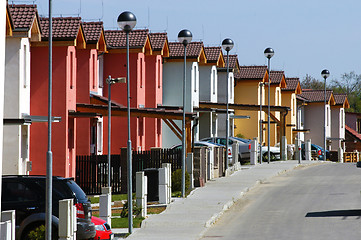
(319, 202)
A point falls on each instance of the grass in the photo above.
(116, 197)
(123, 222)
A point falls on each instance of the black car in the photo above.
(26, 195)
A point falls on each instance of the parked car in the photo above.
(275, 153)
(244, 147)
(317, 149)
(26, 195)
(103, 230)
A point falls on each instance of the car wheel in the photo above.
(37, 231)
(272, 157)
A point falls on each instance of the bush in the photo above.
(177, 181)
(124, 212)
(38, 233)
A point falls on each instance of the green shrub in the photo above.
(177, 181)
(124, 212)
(37, 234)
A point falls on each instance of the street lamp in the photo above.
(325, 74)
(268, 52)
(227, 45)
(127, 21)
(184, 37)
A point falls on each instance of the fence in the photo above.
(92, 171)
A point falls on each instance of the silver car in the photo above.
(244, 145)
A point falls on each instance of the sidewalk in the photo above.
(189, 218)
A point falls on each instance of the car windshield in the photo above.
(79, 193)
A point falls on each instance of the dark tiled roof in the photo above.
(157, 40)
(276, 77)
(92, 31)
(176, 49)
(253, 72)
(117, 38)
(64, 28)
(212, 53)
(353, 132)
(315, 95)
(340, 98)
(233, 61)
(292, 84)
(22, 15)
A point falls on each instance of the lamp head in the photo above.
(325, 73)
(268, 52)
(127, 21)
(185, 36)
(227, 44)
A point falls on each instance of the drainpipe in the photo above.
(196, 121)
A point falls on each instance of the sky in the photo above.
(307, 36)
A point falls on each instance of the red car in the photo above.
(103, 230)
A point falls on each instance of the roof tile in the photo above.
(23, 15)
(92, 31)
(276, 77)
(315, 95)
(212, 53)
(252, 72)
(233, 61)
(176, 49)
(340, 98)
(64, 28)
(292, 84)
(158, 40)
(117, 38)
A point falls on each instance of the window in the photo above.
(195, 78)
(214, 81)
(141, 72)
(159, 73)
(17, 192)
(327, 116)
(71, 69)
(342, 118)
(95, 68)
(358, 125)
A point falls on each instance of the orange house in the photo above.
(89, 129)
(68, 37)
(115, 66)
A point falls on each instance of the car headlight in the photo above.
(99, 228)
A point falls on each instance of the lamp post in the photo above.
(184, 37)
(268, 52)
(127, 21)
(227, 45)
(261, 84)
(49, 154)
(325, 74)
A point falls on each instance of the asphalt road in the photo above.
(320, 202)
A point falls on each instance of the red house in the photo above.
(115, 66)
(89, 129)
(68, 37)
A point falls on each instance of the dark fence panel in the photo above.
(92, 171)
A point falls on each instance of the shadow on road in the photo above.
(336, 213)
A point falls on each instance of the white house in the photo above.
(208, 90)
(173, 75)
(338, 121)
(222, 93)
(25, 30)
(314, 111)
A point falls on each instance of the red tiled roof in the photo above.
(117, 38)
(157, 40)
(292, 84)
(23, 15)
(276, 77)
(252, 72)
(212, 53)
(315, 95)
(64, 28)
(176, 49)
(340, 98)
(353, 132)
(233, 61)
(92, 31)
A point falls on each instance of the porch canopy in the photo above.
(98, 106)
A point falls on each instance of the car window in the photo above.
(80, 194)
(17, 192)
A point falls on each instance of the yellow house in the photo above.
(289, 100)
(249, 86)
(278, 81)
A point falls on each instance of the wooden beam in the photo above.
(172, 128)
(247, 107)
(189, 136)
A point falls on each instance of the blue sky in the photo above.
(307, 36)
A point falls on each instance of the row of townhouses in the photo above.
(84, 55)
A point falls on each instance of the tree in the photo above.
(349, 84)
(309, 82)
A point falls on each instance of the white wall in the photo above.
(173, 94)
(314, 120)
(338, 127)
(17, 104)
(208, 78)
